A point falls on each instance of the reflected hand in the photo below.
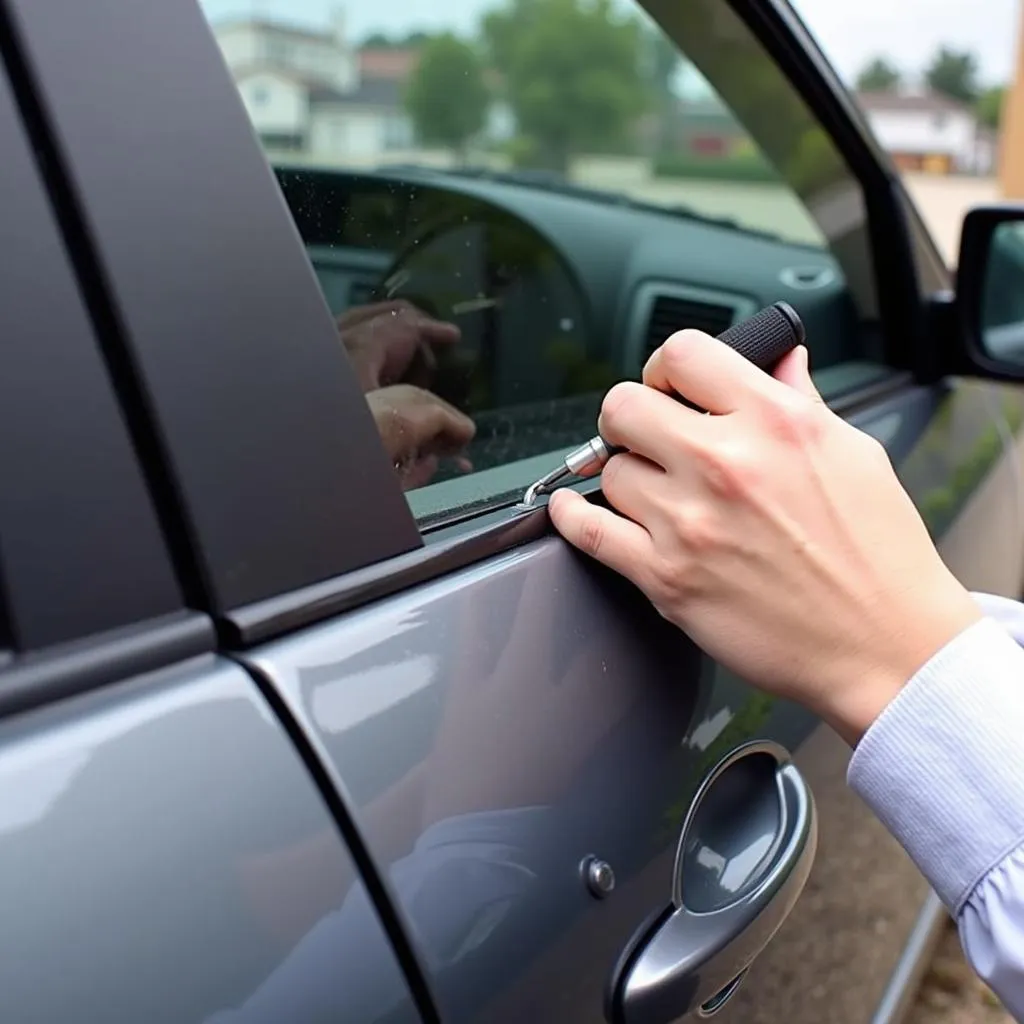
(417, 429)
(383, 340)
(773, 532)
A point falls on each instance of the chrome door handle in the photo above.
(745, 852)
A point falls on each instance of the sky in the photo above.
(905, 31)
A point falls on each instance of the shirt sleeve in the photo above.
(943, 768)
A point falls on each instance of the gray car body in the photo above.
(265, 755)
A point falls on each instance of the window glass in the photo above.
(509, 207)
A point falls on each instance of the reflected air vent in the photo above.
(670, 314)
(807, 278)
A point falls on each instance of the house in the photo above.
(707, 128)
(924, 131)
(692, 126)
(311, 91)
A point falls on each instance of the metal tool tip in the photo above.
(534, 491)
(544, 485)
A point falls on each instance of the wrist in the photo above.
(891, 659)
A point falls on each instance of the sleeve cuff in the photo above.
(941, 765)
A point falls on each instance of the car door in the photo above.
(161, 840)
(514, 738)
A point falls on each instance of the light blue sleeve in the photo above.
(943, 768)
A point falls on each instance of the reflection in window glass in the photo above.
(509, 210)
(1002, 304)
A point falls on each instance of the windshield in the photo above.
(549, 93)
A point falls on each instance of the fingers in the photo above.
(413, 422)
(418, 472)
(617, 543)
(793, 370)
(648, 422)
(441, 428)
(437, 332)
(404, 311)
(359, 314)
(707, 373)
(388, 342)
(628, 482)
(431, 424)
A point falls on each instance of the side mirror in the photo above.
(990, 291)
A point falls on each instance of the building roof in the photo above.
(278, 28)
(371, 92)
(924, 102)
(388, 62)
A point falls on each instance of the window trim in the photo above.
(458, 544)
(72, 471)
(63, 634)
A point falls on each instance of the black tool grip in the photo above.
(767, 336)
(763, 338)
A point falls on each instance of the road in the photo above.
(943, 203)
(941, 200)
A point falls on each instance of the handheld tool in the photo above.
(763, 339)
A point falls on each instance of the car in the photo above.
(304, 716)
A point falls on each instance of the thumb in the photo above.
(793, 371)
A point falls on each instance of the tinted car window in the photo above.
(507, 214)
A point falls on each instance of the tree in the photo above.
(572, 75)
(879, 75)
(954, 74)
(990, 106)
(382, 41)
(661, 62)
(446, 96)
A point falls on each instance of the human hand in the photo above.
(774, 533)
(383, 340)
(417, 428)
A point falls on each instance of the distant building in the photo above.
(927, 132)
(312, 91)
(705, 127)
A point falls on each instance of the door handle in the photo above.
(745, 851)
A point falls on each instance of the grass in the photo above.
(741, 167)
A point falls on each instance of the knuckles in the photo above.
(730, 469)
(619, 404)
(700, 532)
(678, 350)
(795, 420)
(672, 580)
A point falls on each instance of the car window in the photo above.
(509, 208)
